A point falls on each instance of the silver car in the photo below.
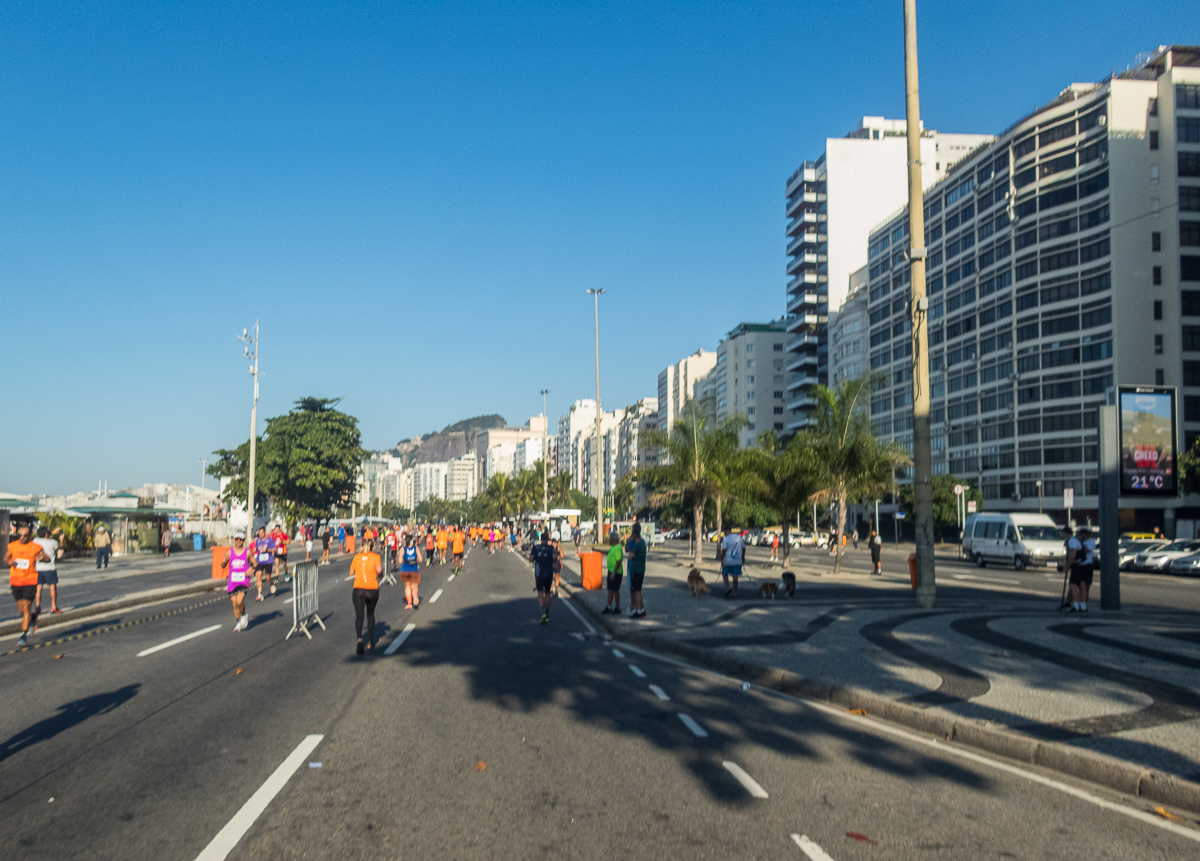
(1160, 558)
(1187, 565)
(1127, 553)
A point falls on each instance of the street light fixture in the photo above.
(595, 294)
(545, 454)
(250, 351)
(203, 467)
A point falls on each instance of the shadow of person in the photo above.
(69, 715)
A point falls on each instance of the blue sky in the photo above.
(414, 197)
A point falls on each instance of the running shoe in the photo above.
(545, 618)
(272, 588)
(22, 642)
(56, 611)
(258, 598)
(359, 648)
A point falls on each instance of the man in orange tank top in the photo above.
(22, 558)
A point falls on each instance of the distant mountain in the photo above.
(453, 441)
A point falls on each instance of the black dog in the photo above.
(789, 584)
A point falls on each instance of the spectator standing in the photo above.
(854, 538)
(103, 543)
(47, 572)
(774, 547)
(341, 538)
(875, 543)
(166, 540)
(732, 551)
(1081, 556)
(635, 550)
(613, 565)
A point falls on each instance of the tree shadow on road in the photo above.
(69, 715)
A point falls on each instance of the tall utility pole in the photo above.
(546, 452)
(597, 466)
(251, 353)
(919, 308)
(203, 467)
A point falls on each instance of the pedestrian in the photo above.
(366, 568)
(558, 560)
(166, 540)
(308, 542)
(341, 538)
(47, 572)
(614, 576)
(237, 560)
(103, 544)
(635, 550)
(774, 547)
(543, 557)
(264, 560)
(410, 572)
(1081, 555)
(731, 552)
(576, 534)
(875, 544)
(326, 539)
(854, 538)
(833, 542)
(21, 558)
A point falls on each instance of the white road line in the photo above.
(618, 653)
(986, 579)
(660, 693)
(579, 616)
(436, 595)
(744, 779)
(177, 641)
(228, 837)
(949, 750)
(450, 579)
(399, 641)
(812, 850)
(637, 671)
(697, 730)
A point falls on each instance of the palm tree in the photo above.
(560, 489)
(852, 462)
(786, 477)
(527, 490)
(692, 452)
(501, 494)
(730, 465)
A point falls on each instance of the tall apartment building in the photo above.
(1082, 214)
(632, 454)
(429, 481)
(575, 432)
(750, 378)
(460, 478)
(526, 454)
(848, 333)
(509, 436)
(606, 473)
(676, 384)
(831, 204)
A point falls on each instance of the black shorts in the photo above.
(614, 581)
(543, 584)
(242, 588)
(1081, 574)
(24, 593)
(265, 567)
(635, 580)
(282, 557)
(458, 557)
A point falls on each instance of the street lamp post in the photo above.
(597, 466)
(251, 353)
(545, 455)
(203, 466)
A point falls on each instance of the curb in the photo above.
(135, 600)
(1077, 762)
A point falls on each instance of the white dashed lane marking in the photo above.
(811, 849)
(637, 671)
(750, 784)
(618, 653)
(177, 641)
(399, 641)
(450, 579)
(697, 730)
(660, 693)
(436, 595)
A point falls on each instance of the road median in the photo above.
(100, 608)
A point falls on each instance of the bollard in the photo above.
(912, 569)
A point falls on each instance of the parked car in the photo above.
(1013, 539)
(1186, 565)
(803, 539)
(1128, 551)
(1160, 558)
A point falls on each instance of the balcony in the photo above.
(810, 238)
(806, 363)
(802, 341)
(803, 261)
(807, 172)
(811, 302)
(802, 402)
(807, 217)
(805, 280)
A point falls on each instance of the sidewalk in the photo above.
(1120, 684)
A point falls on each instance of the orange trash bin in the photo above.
(349, 543)
(218, 556)
(592, 567)
(912, 569)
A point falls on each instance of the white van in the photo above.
(1013, 539)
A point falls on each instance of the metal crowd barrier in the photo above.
(388, 576)
(304, 603)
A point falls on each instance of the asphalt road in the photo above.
(486, 735)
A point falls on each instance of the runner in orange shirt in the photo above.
(22, 558)
(366, 568)
(459, 546)
(443, 540)
(429, 542)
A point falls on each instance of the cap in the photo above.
(240, 534)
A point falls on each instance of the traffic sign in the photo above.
(958, 489)
(970, 506)
(1068, 497)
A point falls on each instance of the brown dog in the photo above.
(789, 584)
(696, 583)
(767, 590)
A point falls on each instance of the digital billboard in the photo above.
(1148, 445)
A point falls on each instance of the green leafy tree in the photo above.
(585, 504)
(560, 490)
(308, 462)
(623, 495)
(852, 462)
(728, 464)
(501, 496)
(787, 477)
(945, 503)
(1189, 470)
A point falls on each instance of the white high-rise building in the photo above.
(831, 204)
(750, 378)
(590, 476)
(429, 480)
(1063, 260)
(460, 478)
(575, 431)
(676, 384)
(526, 453)
(632, 454)
(848, 333)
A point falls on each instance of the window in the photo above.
(1025, 364)
(1189, 303)
(1156, 275)
(1189, 268)
(1158, 309)
(1191, 373)
(1030, 331)
(1060, 260)
(1153, 140)
(1027, 270)
(1057, 165)
(1064, 389)
(778, 395)
(1055, 229)
(1098, 150)
(1156, 238)
(1191, 338)
(1094, 251)
(1159, 377)
(778, 348)
(1095, 118)
(1057, 133)
(1029, 300)
(1027, 207)
(1025, 177)
(1187, 129)
(1189, 164)
(1022, 240)
(1025, 147)
(1093, 184)
(1096, 351)
(1189, 198)
(1091, 219)
(1095, 284)
(1059, 292)
(1189, 233)
(1158, 345)
(1057, 325)
(1187, 95)
(1058, 196)
(1096, 317)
